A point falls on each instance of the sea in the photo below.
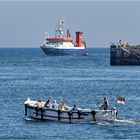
(81, 80)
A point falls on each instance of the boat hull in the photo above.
(57, 51)
(68, 116)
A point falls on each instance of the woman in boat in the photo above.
(48, 104)
(63, 106)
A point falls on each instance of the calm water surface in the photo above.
(81, 80)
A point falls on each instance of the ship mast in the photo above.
(46, 36)
(59, 29)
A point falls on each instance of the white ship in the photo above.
(60, 45)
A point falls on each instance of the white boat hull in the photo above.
(82, 115)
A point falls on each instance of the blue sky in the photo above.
(23, 23)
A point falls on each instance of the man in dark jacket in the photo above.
(105, 104)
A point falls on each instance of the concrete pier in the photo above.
(122, 54)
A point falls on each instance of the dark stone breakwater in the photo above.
(124, 54)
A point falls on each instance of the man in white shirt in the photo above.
(55, 105)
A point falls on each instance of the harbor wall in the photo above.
(124, 55)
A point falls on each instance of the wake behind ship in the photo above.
(60, 45)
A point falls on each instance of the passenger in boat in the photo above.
(39, 104)
(63, 106)
(74, 108)
(55, 105)
(48, 104)
(105, 104)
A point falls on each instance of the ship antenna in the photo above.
(46, 35)
(59, 29)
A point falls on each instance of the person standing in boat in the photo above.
(105, 104)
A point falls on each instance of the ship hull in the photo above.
(56, 51)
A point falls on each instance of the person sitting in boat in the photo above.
(74, 109)
(48, 104)
(105, 104)
(63, 106)
(39, 104)
(55, 105)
